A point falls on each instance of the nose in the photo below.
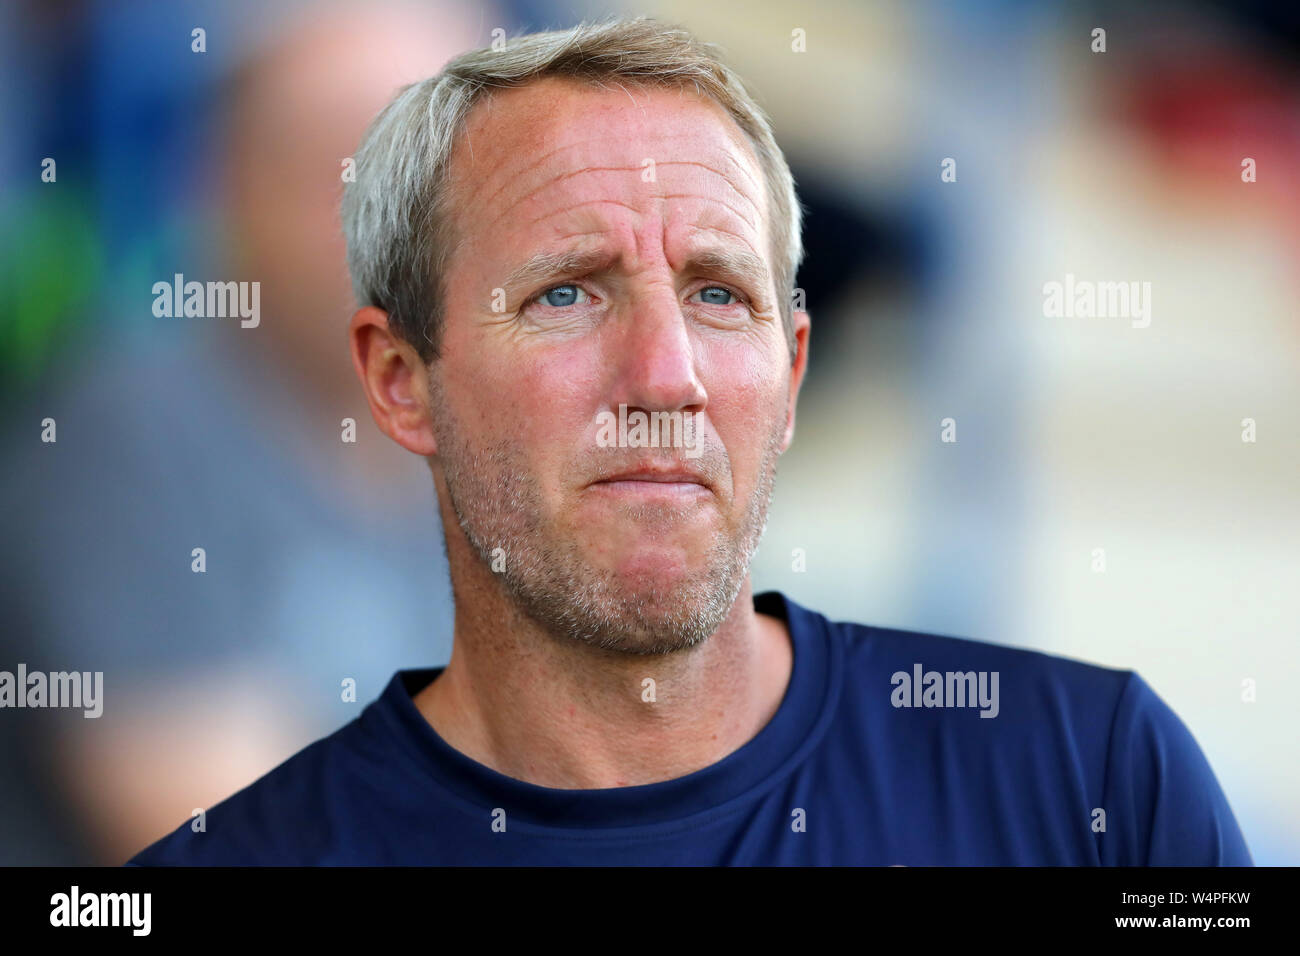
(657, 364)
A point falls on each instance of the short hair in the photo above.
(397, 211)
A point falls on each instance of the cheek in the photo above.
(540, 406)
(558, 393)
(747, 401)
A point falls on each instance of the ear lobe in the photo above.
(394, 380)
(802, 330)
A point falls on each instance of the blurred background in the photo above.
(324, 559)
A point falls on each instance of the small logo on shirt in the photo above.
(923, 688)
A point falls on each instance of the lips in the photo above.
(675, 476)
(668, 476)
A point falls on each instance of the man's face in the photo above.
(663, 192)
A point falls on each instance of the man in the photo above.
(576, 259)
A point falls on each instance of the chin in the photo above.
(657, 568)
(659, 594)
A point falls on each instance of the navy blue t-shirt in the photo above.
(889, 747)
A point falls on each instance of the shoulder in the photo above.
(932, 671)
(1024, 711)
(1032, 716)
(1171, 806)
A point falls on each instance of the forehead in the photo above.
(556, 144)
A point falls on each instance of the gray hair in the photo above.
(396, 213)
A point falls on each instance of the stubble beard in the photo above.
(498, 505)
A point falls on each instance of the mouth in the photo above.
(669, 483)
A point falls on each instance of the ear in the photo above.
(395, 381)
(802, 328)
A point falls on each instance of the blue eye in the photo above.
(560, 296)
(717, 289)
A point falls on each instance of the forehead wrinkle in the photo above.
(731, 130)
(741, 143)
(555, 179)
(514, 177)
(738, 213)
(668, 162)
(721, 175)
(742, 238)
(742, 168)
(589, 202)
(585, 232)
(730, 208)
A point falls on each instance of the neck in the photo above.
(559, 713)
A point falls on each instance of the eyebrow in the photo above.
(547, 265)
(726, 263)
